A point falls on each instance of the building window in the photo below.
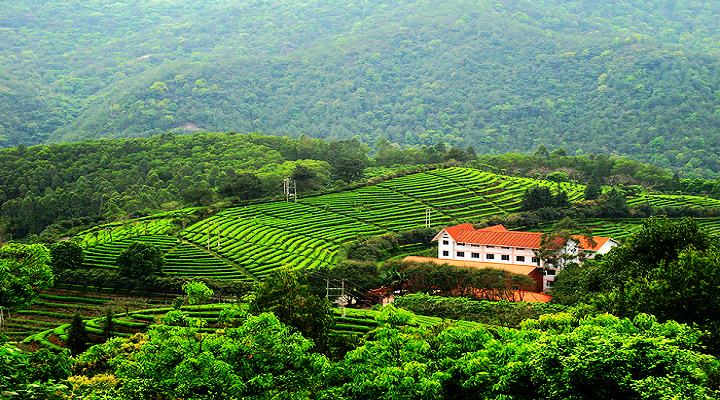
(490, 256)
(446, 253)
(474, 245)
(535, 260)
(461, 254)
(520, 248)
(490, 247)
(445, 242)
(506, 248)
(550, 272)
(505, 257)
(475, 255)
(461, 244)
(520, 258)
(549, 283)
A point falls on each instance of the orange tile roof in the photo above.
(496, 228)
(599, 242)
(515, 269)
(454, 230)
(498, 235)
(501, 238)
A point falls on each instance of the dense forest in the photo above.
(635, 78)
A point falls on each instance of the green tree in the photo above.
(260, 359)
(684, 289)
(348, 159)
(197, 293)
(658, 240)
(32, 375)
(536, 198)
(542, 152)
(198, 194)
(140, 259)
(560, 246)
(23, 270)
(557, 177)
(244, 186)
(109, 326)
(287, 295)
(615, 205)
(78, 336)
(592, 189)
(67, 255)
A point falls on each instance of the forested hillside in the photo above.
(635, 78)
(59, 188)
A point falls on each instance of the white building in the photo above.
(496, 244)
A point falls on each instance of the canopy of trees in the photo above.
(23, 269)
(666, 268)
(555, 356)
(619, 77)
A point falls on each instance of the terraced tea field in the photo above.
(674, 201)
(46, 321)
(250, 242)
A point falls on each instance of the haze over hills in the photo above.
(637, 78)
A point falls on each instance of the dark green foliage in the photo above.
(615, 205)
(683, 290)
(32, 375)
(66, 255)
(348, 158)
(557, 177)
(286, 294)
(542, 152)
(539, 197)
(198, 194)
(304, 178)
(449, 280)
(23, 270)
(77, 335)
(505, 313)
(657, 241)
(109, 326)
(139, 260)
(358, 279)
(149, 284)
(244, 186)
(592, 189)
(667, 268)
(378, 248)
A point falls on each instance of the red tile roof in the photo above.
(498, 235)
(506, 238)
(454, 230)
(495, 228)
(599, 242)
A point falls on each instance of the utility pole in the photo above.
(341, 298)
(290, 189)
